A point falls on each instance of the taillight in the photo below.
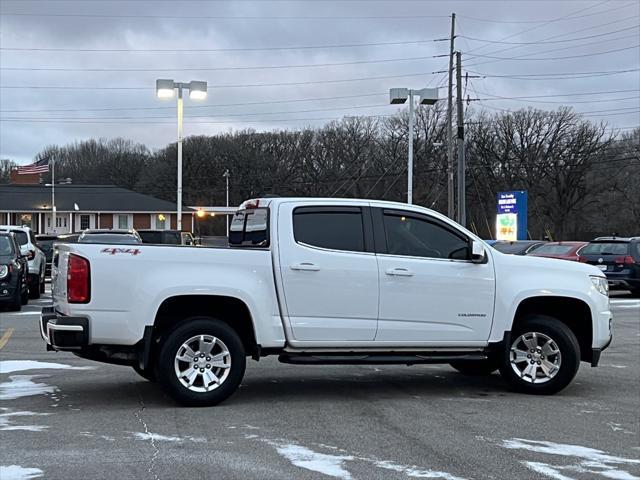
(625, 260)
(78, 280)
(32, 254)
(582, 259)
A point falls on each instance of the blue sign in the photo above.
(511, 221)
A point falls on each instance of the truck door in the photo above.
(430, 291)
(329, 272)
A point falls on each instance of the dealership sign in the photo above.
(511, 218)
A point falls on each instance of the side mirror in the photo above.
(478, 254)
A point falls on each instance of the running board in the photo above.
(379, 359)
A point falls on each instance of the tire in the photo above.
(24, 296)
(476, 368)
(42, 284)
(635, 292)
(16, 302)
(34, 286)
(551, 335)
(148, 374)
(204, 392)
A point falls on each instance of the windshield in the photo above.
(171, 238)
(554, 249)
(109, 238)
(606, 248)
(6, 246)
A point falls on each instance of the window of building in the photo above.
(161, 221)
(333, 228)
(61, 222)
(123, 221)
(84, 222)
(416, 237)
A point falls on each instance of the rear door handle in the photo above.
(306, 266)
(399, 272)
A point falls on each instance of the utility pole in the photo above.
(410, 159)
(450, 183)
(180, 129)
(226, 176)
(462, 200)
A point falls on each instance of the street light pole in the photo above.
(226, 176)
(180, 132)
(165, 88)
(428, 96)
(410, 160)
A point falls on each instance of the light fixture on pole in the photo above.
(165, 88)
(427, 96)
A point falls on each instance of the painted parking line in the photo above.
(5, 338)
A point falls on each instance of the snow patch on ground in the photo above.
(589, 460)
(20, 386)
(6, 424)
(334, 465)
(16, 472)
(156, 437)
(12, 366)
(306, 458)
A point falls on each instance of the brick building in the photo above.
(86, 206)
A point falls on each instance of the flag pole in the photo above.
(53, 193)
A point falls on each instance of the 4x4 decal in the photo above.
(115, 251)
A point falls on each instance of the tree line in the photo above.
(583, 179)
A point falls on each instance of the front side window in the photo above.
(123, 222)
(336, 229)
(417, 237)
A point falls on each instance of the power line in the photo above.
(556, 76)
(238, 49)
(570, 16)
(216, 69)
(541, 42)
(558, 58)
(525, 100)
(191, 107)
(255, 85)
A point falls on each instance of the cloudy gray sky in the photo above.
(71, 70)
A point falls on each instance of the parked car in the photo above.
(37, 260)
(517, 247)
(63, 238)
(120, 237)
(328, 281)
(14, 270)
(166, 237)
(46, 242)
(618, 258)
(561, 250)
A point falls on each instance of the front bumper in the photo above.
(63, 333)
(8, 289)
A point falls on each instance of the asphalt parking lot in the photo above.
(62, 417)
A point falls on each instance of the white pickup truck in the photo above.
(326, 281)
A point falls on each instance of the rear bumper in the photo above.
(63, 333)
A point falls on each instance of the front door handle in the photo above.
(306, 266)
(399, 272)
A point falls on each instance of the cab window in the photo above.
(418, 237)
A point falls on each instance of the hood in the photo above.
(524, 262)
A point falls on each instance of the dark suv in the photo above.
(618, 258)
(14, 271)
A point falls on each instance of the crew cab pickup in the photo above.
(327, 281)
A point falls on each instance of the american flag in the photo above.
(41, 166)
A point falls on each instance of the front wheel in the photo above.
(34, 286)
(201, 363)
(543, 357)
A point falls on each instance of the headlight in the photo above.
(601, 285)
(4, 271)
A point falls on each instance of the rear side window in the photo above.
(554, 249)
(333, 228)
(250, 228)
(606, 248)
(416, 237)
(21, 236)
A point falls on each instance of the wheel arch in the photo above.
(573, 312)
(175, 310)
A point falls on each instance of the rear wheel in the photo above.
(202, 362)
(477, 367)
(16, 302)
(543, 356)
(34, 286)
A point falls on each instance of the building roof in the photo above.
(89, 198)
